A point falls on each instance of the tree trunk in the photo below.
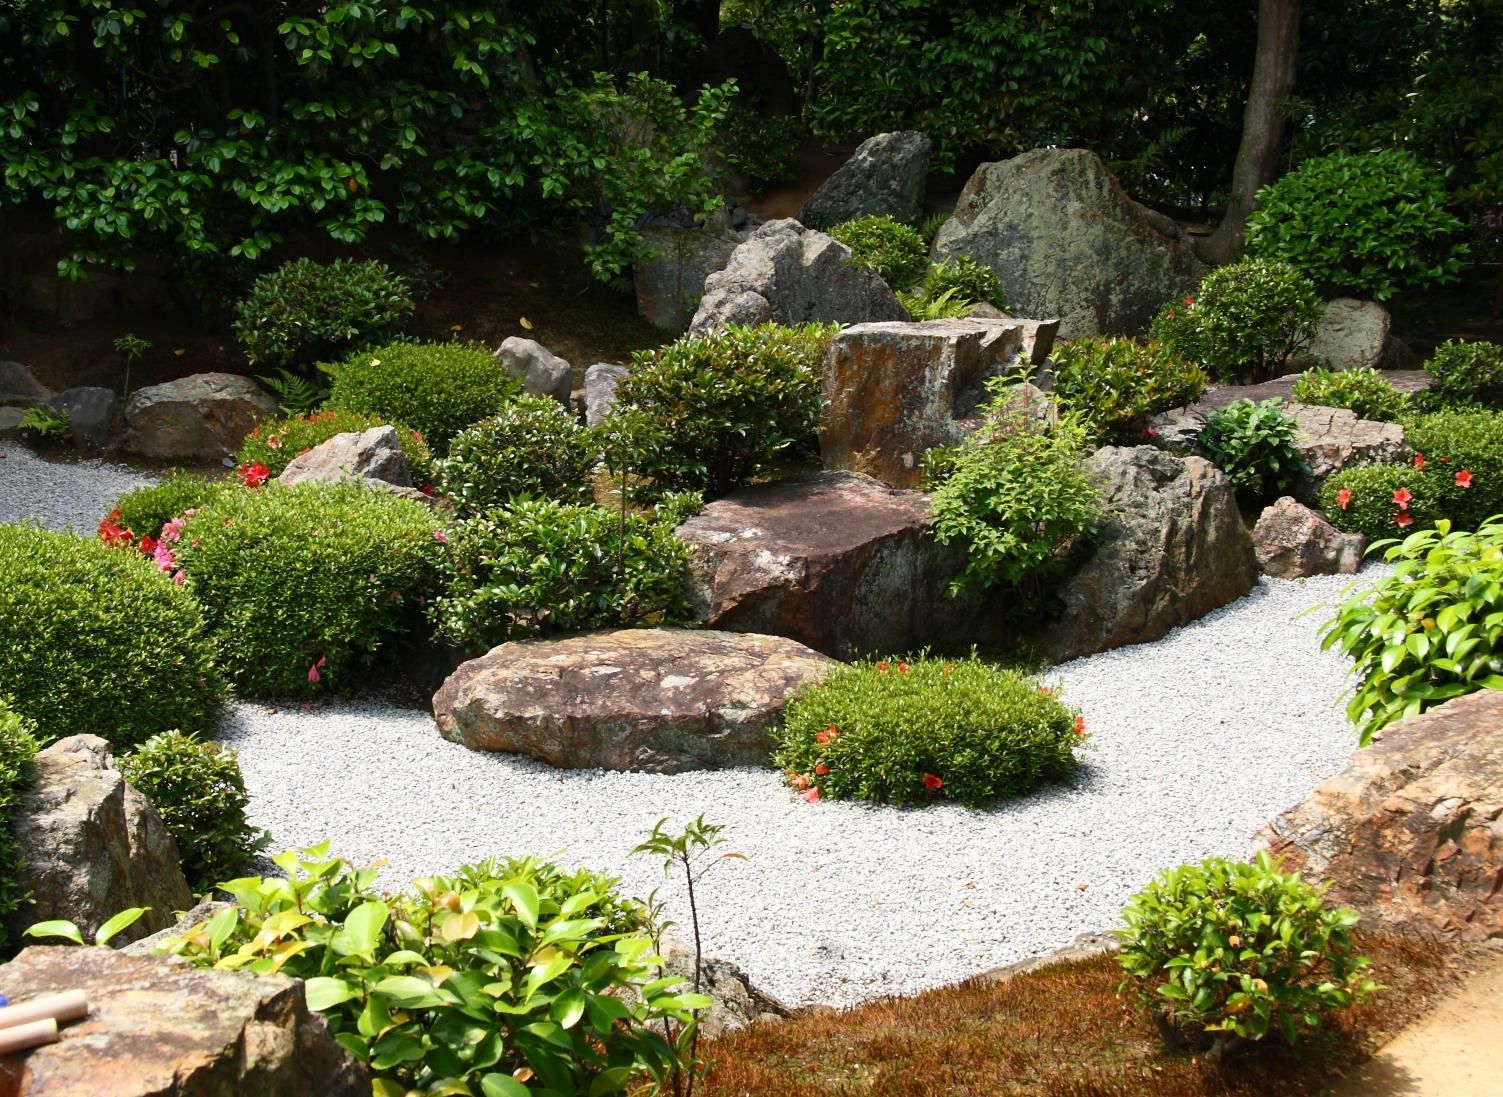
(1262, 125)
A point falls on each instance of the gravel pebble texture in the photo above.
(63, 492)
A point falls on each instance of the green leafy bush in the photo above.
(1241, 950)
(914, 731)
(1117, 385)
(1462, 454)
(718, 409)
(303, 585)
(144, 511)
(507, 978)
(1366, 499)
(1364, 391)
(760, 148)
(533, 447)
(437, 389)
(1244, 320)
(1254, 444)
(96, 640)
(1371, 223)
(276, 444)
(891, 250)
(1430, 630)
(1015, 496)
(196, 787)
(1466, 374)
(542, 567)
(305, 312)
(972, 282)
(18, 746)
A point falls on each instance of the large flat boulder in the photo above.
(205, 415)
(92, 845)
(159, 1028)
(883, 178)
(835, 561)
(1066, 241)
(658, 700)
(787, 273)
(1332, 439)
(670, 284)
(894, 390)
(1411, 832)
(1172, 547)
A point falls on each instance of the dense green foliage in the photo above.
(971, 281)
(1255, 445)
(196, 788)
(96, 640)
(303, 585)
(1372, 224)
(760, 149)
(437, 389)
(144, 511)
(276, 444)
(305, 312)
(1365, 499)
(1117, 385)
(714, 411)
(1364, 391)
(1240, 949)
(533, 447)
(891, 250)
(1244, 320)
(18, 746)
(508, 978)
(1430, 630)
(1466, 374)
(900, 731)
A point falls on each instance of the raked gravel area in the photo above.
(1196, 740)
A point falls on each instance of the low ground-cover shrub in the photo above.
(1254, 444)
(1371, 223)
(303, 585)
(542, 567)
(142, 512)
(891, 250)
(533, 447)
(1364, 391)
(1240, 949)
(718, 409)
(1117, 385)
(276, 444)
(96, 639)
(1243, 322)
(1382, 500)
(1466, 375)
(507, 978)
(18, 746)
(196, 787)
(914, 731)
(1429, 631)
(305, 312)
(437, 389)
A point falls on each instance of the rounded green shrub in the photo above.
(96, 639)
(1463, 457)
(1364, 391)
(972, 282)
(913, 731)
(1366, 499)
(276, 444)
(1240, 950)
(1244, 320)
(303, 585)
(891, 250)
(196, 788)
(1466, 374)
(1117, 385)
(144, 511)
(1255, 445)
(305, 312)
(538, 566)
(18, 746)
(1367, 223)
(533, 447)
(710, 412)
(435, 388)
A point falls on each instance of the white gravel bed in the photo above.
(61, 493)
(1197, 740)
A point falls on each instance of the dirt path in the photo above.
(1457, 1051)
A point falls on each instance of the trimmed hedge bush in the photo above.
(532, 448)
(304, 585)
(276, 444)
(305, 312)
(196, 787)
(891, 250)
(144, 511)
(1117, 385)
(18, 747)
(1457, 442)
(915, 731)
(437, 389)
(1466, 375)
(95, 639)
(1364, 391)
(1366, 499)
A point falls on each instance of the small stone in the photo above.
(600, 383)
(374, 455)
(1293, 541)
(541, 372)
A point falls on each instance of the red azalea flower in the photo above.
(798, 782)
(933, 783)
(810, 797)
(821, 770)
(903, 668)
(1401, 498)
(1171, 315)
(426, 489)
(313, 675)
(1344, 498)
(1148, 432)
(441, 537)
(1404, 519)
(253, 475)
(1189, 301)
(1419, 460)
(274, 442)
(1080, 726)
(1463, 479)
(148, 545)
(1046, 691)
(882, 666)
(825, 736)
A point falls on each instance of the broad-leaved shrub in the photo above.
(1117, 385)
(305, 312)
(532, 447)
(1255, 444)
(1466, 374)
(973, 282)
(1364, 391)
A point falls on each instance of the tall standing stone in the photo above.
(883, 178)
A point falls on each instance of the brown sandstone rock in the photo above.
(159, 1028)
(1293, 541)
(659, 700)
(1334, 438)
(204, 415)
(1411, 832)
